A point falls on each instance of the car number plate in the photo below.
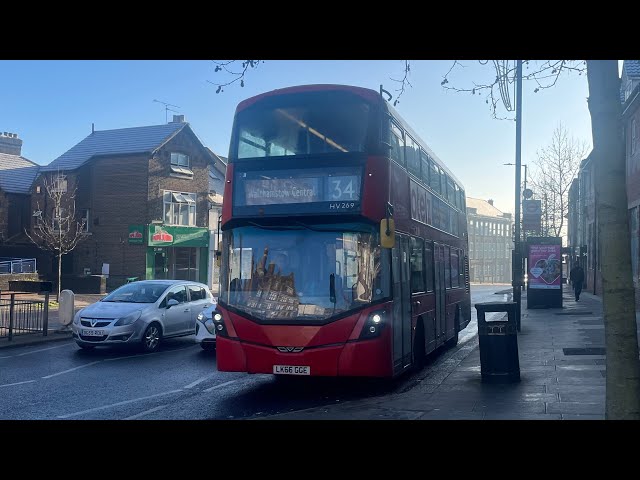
(291, 370)
(92, 333)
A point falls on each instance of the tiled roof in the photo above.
(16, 173)
(115, 142)
(483, 207)
(631, 68)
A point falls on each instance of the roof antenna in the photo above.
(93, 127)
(382, 90)
(167, 109)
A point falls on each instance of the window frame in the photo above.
(416, 244)
(175, 195)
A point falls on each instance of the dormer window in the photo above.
(181, 164)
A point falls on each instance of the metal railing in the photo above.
(23, 316)
(17, 265)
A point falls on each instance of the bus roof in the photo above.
(366, 93)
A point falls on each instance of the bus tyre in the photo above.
(419, 355)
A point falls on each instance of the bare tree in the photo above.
(58, 230)
(556, 166)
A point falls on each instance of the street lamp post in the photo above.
(517, 263)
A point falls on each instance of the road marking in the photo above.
(123, 358)
(17, 383)
(221, 385)
(35, 351)
(147, 412)
(191, 385)
(70, 370)
(118, 404)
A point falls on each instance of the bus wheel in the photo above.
(419, 355)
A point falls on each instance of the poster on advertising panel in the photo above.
(545, 267)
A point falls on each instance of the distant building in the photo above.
(490, 242)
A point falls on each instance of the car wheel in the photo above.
(208, 347)
(87, 347)
(151, 338)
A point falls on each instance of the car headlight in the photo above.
(76, 318)
(129, 319)
(202, 317)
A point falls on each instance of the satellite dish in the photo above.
(527, 193)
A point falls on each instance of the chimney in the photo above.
(490, 202)
(178, 119)
(10, 143)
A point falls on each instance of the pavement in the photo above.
(562, 374)
(56, 331)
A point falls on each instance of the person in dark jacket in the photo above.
(577, 279)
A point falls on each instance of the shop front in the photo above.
(179, 253)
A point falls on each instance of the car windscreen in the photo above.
(138, 292)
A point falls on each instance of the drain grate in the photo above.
(585, 351)
(574, 313)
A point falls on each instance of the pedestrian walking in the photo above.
(577, 279)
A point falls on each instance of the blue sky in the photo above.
(51, 105)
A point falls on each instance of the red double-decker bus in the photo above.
(344, 244)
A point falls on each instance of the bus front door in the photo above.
(440, 293)
(401, 304)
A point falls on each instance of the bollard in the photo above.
(66, 308)
(499, 362)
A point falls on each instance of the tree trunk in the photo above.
(59, 276)
(623, 365)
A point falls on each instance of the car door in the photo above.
(177, 316)
(198, 301)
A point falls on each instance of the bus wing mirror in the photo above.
(387, 233)
(218, 255)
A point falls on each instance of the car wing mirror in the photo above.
(172, 303)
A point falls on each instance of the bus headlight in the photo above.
(218, 324)
(374, 325)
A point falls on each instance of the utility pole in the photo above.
(517, 261)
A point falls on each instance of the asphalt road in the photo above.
(180, 382)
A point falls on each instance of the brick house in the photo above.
(16, 176)
(143, 193)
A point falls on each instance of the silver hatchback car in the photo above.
(142, 313)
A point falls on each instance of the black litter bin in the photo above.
(498, 340)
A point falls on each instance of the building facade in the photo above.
(490, 242)
(584, 243)
(16, 176)
(143, 196)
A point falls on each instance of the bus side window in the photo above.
(428, 256)
(424, 159)
(397, 144)
(417, 265)
(455, 265)
(412, 154)
(447, 267)
(435, 176)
